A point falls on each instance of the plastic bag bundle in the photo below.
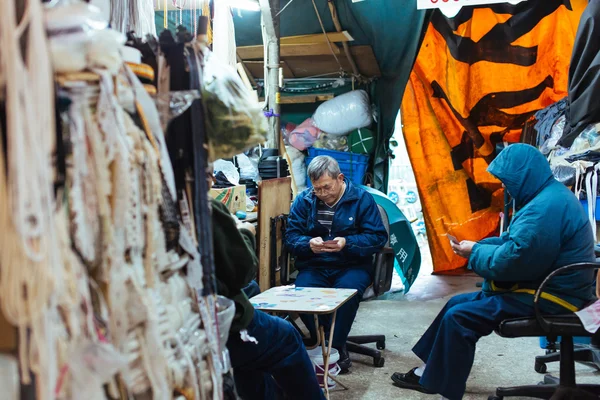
(228, 169)
(361, 141)
(555, 135)
(234, 120)
(587, 139)
(248, 167)
(298, 166)
(344, 113)
(286, 130)
(304, 135)
(79, 37)
(329, 142)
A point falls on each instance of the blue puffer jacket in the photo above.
(549, 230)
(356, 219)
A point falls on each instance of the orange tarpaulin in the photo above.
(478, 78)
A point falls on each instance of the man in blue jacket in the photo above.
(334, 230)
(550, 229)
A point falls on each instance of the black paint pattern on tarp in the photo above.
(496, 45)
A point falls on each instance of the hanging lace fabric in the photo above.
(133, 15)
(32, 273)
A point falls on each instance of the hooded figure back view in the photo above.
(549, 230)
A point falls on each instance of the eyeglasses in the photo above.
(324, 189)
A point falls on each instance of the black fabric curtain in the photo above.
(584, 76)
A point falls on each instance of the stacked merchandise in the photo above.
(569, 130)
(106, 270)
(576, 165)
(272, 166)
(338, 128)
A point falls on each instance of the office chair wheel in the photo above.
(380, 345)
(540, 367)
(379, 362)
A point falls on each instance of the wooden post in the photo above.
(270, 20)
(338, 27)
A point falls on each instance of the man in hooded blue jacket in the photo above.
(334, 230)
(550, 229)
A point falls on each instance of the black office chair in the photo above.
(588, 354)
(566, 326)
(382, 282)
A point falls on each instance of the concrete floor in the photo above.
(498, 361)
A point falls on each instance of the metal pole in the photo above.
(269, 10)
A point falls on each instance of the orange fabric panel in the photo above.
(463, 98)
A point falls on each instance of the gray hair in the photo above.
(322, 165)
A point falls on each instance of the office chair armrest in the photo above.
(546, 325)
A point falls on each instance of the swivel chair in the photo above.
(566, 326)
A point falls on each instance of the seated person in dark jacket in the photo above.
(549, 230)
(279, 361)
(335, 210)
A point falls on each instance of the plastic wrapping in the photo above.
(329, 142)
(286, 130)
(171, 105)
(234, 121)
(587, 139)
(248, 168)
(344, 113)
(79, 37)
(565, 174)
(228, 169)
(304, 135)
(298, 166)
(361, 141)
(555, 134)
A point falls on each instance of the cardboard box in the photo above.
(233, 197)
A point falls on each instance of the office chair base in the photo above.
(355, 344)
(548, 391)
(582, 354)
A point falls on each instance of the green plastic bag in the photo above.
(361, 141)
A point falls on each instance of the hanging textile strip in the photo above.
(32, 269)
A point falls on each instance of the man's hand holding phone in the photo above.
(318, 245)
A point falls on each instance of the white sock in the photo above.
(419, 371)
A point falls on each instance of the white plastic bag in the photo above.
(235, 121)
(248, 168)
(229, 170)
(298, 166)
(344, 113)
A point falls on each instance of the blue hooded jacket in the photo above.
(356, 219)
(549, 230)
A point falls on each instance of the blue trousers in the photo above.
(277, 366)
(448, 346)
(340, 278)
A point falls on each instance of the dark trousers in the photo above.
(340, 278)
(448, 346)
(277, 367)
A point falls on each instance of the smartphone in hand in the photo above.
(452, 239)
(330, 242)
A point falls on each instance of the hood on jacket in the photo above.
(523, 170)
